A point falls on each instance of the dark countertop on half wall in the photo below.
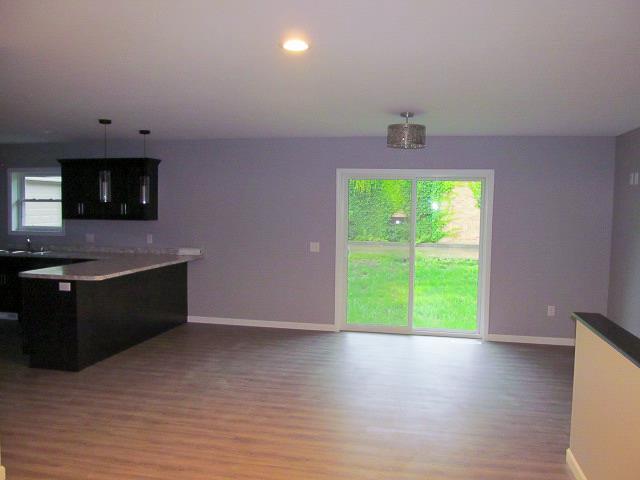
(615, 335)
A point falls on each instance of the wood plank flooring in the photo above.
(214, 402)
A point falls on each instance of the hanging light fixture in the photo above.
(105, 122)
(406, 135)
(145, 180)
(144, 134)
(104, 176)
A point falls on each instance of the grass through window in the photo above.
(445, 295)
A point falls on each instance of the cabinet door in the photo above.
(72, 192)
(134, 192)
(80, 191)
(9, 286)
(116, 207)
(4, 290)
(142, 191)
(135, 195)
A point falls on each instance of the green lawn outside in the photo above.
(446, 290)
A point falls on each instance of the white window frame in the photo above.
(343, 175)
(15, 186)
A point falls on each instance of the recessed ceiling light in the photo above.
(295, 45)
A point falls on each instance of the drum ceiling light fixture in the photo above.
(406, 135)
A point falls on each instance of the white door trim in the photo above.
(484, 280)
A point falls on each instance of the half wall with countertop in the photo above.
(605, 422)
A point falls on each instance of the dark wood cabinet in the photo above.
(10, 267)
(9, 287)
(92, 320)
(79, 191)
(110, 188)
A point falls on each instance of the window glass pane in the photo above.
(42, 214)
(42, 187)
(378, 262)
(447, 252)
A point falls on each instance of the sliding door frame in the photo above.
(343, 175)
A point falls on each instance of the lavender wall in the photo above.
(255, 204)
(624, 293)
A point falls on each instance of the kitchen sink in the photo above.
(40, 252)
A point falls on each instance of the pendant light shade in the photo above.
(104, 176)
(145, 180)
(406, 135)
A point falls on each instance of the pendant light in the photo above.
(406, 135)
(105, 122)
(144, 134)
(104, 176)
(145, 180)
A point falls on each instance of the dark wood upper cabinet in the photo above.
(110, 188)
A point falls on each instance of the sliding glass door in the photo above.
(411, 251)
(378, 252)
(446, 255)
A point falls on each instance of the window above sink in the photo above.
(35, 205)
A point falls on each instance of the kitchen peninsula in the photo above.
(76, 314)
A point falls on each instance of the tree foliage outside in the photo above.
(432, 210)
(373, 203)
(476, 189)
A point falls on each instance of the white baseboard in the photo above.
(569, 342)
(329, 327)
(323, 327)
(574, 467)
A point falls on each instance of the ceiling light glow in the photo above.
(295, 45)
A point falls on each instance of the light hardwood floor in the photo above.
(214, 402)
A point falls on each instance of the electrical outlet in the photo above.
(189, 251)
(149, 238)
(314, 247)
(551, 310)
(90, 237)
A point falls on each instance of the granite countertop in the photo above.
(100, 265)
(52, 254)
(612, 333)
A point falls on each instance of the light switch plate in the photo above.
(149, 238)
(551, 310)
(90, 237)
(314, 247)
(64, 286)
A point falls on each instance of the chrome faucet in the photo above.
(29, 246)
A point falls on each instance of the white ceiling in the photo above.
(213, 69)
